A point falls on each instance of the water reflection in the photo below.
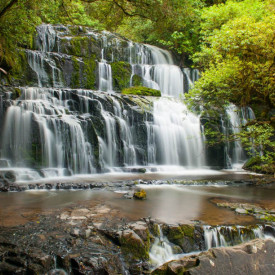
(166, 203)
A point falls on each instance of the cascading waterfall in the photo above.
(231, 235)
(237, 118)
(161, 250)
(175, 137)
(214, 236)
(54, 128)
(60, 135)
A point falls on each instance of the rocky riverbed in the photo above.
(99, 240)
(103, 229)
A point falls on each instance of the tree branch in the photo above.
(7, 7)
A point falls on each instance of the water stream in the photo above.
(54, 131)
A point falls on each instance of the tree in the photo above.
(237, 60)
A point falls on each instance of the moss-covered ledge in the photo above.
(121, 73)
(140, 90)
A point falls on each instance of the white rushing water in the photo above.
(161, 250)
(49, 126)
(60, 135)
(237, 118)
(217, 236)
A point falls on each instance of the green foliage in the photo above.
(237, 54)
(18, 20)
(259, 140)
(139, 90)
(214, 17)
(171, 23)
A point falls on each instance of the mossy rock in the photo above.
(140, 90)
(90, 72)
(136, 80)
(121, 72)
(133, 247)
(75, 79)
(188, 230)
(79, 46)
(181, 235)
(140, 194)
(16, 93)
(255, 164)
(252, 162)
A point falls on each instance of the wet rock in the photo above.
(140, 228)
(48, 186)
(140, 194)
(129, 195)
(9, 176)
(184, 236)
(132, 246)
(256, 257)
(240, 211)
(269, 230)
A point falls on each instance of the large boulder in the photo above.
(255, 257)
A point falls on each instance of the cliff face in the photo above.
(67, 109)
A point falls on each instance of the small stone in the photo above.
(75, 232)
(88, 233)
(240, 211)
(212, 263)
(64, 216)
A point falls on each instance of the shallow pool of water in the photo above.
(167, 203)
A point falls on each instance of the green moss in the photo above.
(140, 90)
(175, 233)
(140, 194)
(136, 80)
(188, 230)
(121, 72)
(79, 46)
(134, 248)
(16, 93)
(20, 64)
(89, 72)
(75, 80)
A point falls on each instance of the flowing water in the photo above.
(52, 130)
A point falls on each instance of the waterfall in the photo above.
(161, 250)
(214, 236)
(58, 130)
(237, 118)
(61, 139)
(176, 135)
(217, 236)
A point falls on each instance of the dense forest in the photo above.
(231, 42)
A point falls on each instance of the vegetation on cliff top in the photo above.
(140, 90)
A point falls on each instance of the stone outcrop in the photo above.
(255, 257)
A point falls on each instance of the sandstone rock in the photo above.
(240, 211)
(141, 229)
(253, 258)
(80, 212)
